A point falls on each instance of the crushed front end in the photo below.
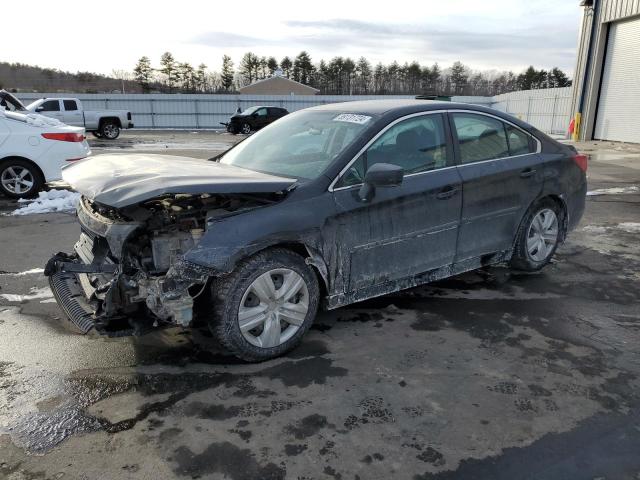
(127, 274)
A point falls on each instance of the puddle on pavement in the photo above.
(71, 412)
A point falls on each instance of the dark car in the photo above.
(329, 206)
(254, 118)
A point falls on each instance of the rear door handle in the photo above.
(527, 172)
(447, 192)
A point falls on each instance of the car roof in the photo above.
(389, 110)
(400, 106)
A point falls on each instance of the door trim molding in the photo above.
(341, 299)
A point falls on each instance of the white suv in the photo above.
(34, 148)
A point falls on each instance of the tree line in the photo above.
(19, 77)
(338, 76)
(341, 76)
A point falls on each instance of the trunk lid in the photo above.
(122, 180)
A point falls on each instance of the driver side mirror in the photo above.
(380, 175)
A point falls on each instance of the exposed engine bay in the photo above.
(130, 261)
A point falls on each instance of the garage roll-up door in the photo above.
(619, 105)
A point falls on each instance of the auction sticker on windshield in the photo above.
(352, 118)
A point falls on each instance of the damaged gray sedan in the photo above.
(325, 207)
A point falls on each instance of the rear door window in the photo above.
(480, 137)
(70, 105)
(520, 143)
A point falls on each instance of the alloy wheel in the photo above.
(542, 235)
(17, 179)
(110, 131)
(273, 308)
(246, 128)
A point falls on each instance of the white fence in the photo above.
(545, 109)
(195, 110)
(549, 110)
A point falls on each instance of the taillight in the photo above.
(64, 137)
(581, 161)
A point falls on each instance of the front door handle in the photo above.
(527, 172)
(447, 192)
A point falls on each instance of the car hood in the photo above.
(122, 180)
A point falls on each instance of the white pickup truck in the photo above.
(102, 123)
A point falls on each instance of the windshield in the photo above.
(10, 103)
(301, 145)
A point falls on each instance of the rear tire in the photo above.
(265, 306)
(538, 236)
(20, 178)
(109, 130)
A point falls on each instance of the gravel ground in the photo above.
(487, 375)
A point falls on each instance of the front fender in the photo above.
(229, 240)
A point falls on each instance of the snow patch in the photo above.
(48, 202)
(34, 293)
(33, 271)
(594, 229)
(42, 121)
(614, 191)
(629, 227)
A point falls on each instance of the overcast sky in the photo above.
(497, 34)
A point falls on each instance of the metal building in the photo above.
(606, 94)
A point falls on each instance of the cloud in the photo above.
(226, 39)
(523, 45)
(544, 44)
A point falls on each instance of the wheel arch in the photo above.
(312, 257)
(560, 201)
(104, 120)
(562, 205)
(24, 159)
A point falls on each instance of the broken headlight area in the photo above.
(127, 273)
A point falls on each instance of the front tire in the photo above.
(109, 130)
(20, 178)
(265, 306)
(538, 236)
(246, 128)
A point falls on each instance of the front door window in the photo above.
(417, 145)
